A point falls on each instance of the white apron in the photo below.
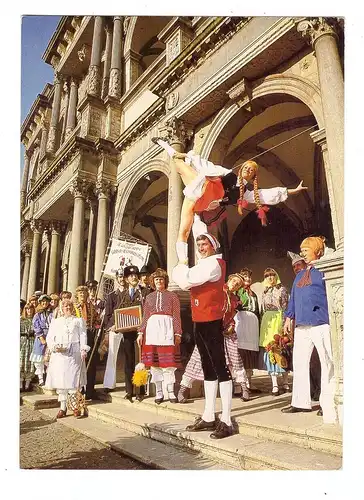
(159, 330)
(247, 330)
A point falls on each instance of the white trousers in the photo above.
(112, 356)
(62, 393)
(305, 338)
(163, 377)
(39, 368)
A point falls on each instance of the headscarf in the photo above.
(214, 242)
(265, 282)
(317, 245)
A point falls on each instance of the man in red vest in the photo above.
(205, 280)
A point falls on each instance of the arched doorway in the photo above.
(145, 215)
(250, 131)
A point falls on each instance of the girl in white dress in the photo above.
(67, 342)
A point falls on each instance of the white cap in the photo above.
(295, 257)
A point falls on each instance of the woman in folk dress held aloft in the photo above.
(209, 187)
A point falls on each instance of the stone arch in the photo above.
(133, 209)
(129, 34)
(139, 172)
(293, 85)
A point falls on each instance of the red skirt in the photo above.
(214, 190)
(162, 356)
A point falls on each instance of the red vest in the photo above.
(207, 300)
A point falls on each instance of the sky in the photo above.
(36, 32)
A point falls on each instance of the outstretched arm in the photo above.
(298, 189)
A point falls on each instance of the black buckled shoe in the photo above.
(172, 400)
(129, 397)
(320, 413)
(155, 139)
(222, 431)
(201, 425)
(140, 397)
(293, 409)
(158, 401)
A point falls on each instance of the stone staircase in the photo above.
(266, 439)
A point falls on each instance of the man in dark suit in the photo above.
(131, 295)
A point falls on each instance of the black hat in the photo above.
(131, 270)
(92, 283)
(144, 270)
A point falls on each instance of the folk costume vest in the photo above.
(91, 315)
(207, 300)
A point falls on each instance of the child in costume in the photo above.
(209, 187)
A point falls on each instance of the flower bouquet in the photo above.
(280, 351)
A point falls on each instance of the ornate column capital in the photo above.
(126, 23)
(319, 138)
(80, 187)
(104, 189)
(58, 77)
(175, 131)
(26, 248)
(57, 226)
(314, 28)
(37, 226)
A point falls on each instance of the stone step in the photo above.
(239, 451)
(38, 401)
(153, 453)
(261, 417)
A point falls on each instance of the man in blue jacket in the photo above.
(308, 310)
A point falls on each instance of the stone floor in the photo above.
(46, 445)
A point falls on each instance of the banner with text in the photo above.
(125, 253)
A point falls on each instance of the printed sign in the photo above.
(125, 253)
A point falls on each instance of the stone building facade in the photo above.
(230, 88)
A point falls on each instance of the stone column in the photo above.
(65, 277)
(107, 62)
(319, 138)
(72, 108)
(115, 72)
(94, 76)
(43, 139)
(176, 134)
(24, 285)
(91, 237)
(78, 188)
(24, 183)
(132, 68)
(37, 227)
(323, 37)
(53, 273)
(103, 192)
(52, 136)
(66, 91)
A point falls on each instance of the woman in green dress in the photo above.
(274, 303)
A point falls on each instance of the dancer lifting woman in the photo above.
(209, 187)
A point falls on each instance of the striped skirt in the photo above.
(162, 356)
(26, 348)
(233, 360)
